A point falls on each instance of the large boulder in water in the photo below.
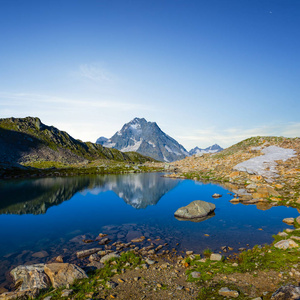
(195, 210)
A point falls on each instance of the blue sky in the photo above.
(213, 71)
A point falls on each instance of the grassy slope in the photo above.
(53, 138)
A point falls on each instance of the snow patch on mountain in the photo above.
(133, 147)
(152, 144)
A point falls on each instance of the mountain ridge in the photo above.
(148, 139)
(211, 149)
(25, 140)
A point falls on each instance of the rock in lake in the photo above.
(196, 209)
(62, 274)
(215, 195)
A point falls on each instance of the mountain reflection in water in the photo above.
(35, 196)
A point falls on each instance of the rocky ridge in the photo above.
(25, 141)
(211, 149)
(147, 139)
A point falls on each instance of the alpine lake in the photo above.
(43, 218)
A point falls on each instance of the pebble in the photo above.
(66, 293)
(196, 274)
(216, 257)
(225, 291)
(111, 284)
(149, 261)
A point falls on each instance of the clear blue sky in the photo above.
(213, 71)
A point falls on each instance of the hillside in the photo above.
(26, 141)
(259, 170)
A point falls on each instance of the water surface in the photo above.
(56, 214)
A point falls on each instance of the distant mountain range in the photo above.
(148, 139)
(211, 149)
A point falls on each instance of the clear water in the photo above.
(56, 214)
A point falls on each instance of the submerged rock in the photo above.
(196, 209)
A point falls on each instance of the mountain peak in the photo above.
(145, 137)
(211, 149)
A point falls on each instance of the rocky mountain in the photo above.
(27, 140)
(101, 140)
(147, 139)
(211, 149)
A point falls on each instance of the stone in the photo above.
(95, 265)
(111, 284)
(138, 240)
(289, 221)
(94, 257)
(235, 200)
(59, 259)
(283, 234)
(30, 277)
(196, 274)
(61, 274)
(215, 195)
(298, 220)
(66, 293)
(228, 293)
(149, 261)
(31, 294)
(189, 252)
(40, 254)
(84, 253)
(216, 257)
(109, 256)
(104, 241)
(286, 244)
(265, 191)
(288, 292)
(196, 209)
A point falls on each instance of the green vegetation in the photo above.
(265, 257)
(97, 280)
(34, 149)
(211, 292)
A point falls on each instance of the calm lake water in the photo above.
(56, 214)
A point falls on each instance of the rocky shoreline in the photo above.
(130, 271)
(264, 272)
